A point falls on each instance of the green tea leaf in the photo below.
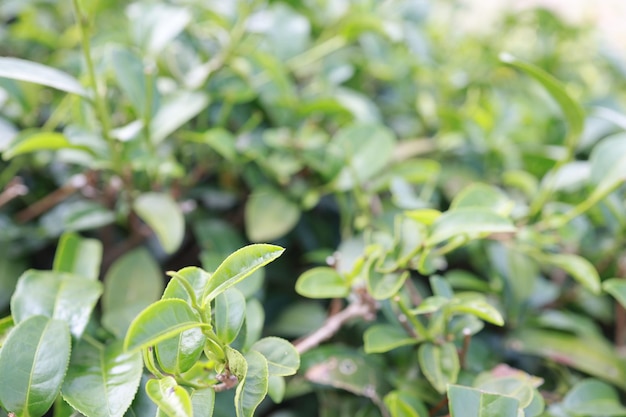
(255, 318)
(175, 111)
(34, 72)
(251, 391)
(276, 388)
(617, 288)
(608, 164)
(238, 266)
(591, 397)
(382, 286)
(33, 362)
(159, 322)
(197, 279)
(592, 355)
(485, 196)
(471, 402)
(470, 222)
(79, 256)
(102, 380)
(402, 403)
(164, 216)
(56, 295)
(132, 283)
(269, 215)
(131, 77)
(203, 402)
(476, 304)
(381, 338)
(440, 364)
(179, 353)
(322, 282)
(171, 398)
(573, 112)
(367, 148)
(41, 141)
(282, 358)
(230, 312)
(578, 267)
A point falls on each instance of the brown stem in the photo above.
(364, 307)
(467, 338)
(14, 189)
(438, 406)
(52, 199)
(227, 381)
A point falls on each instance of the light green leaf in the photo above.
(591, 397)
(402, 403)
(230, 312)
(382, 286)
(471, 402)
(255, 318)
(203, 402)
(608, 164)
(269, 215)
(33, 362)
(171, 398)
(159, 322)
(576, 266)
(440, 364)
(366, 148)
(180, 352)
(79, 256)
(162, 214)
(322, 282)
(56, 295)
(251, 391)
(132, 283)
(102, 381)
(175, 112)
(219, 139)
(425, 216)
(156, 25)
(470, 222)
(282, 358)
(485, 196)
(41, 141)
(476, 304)
(276, 388)
(617, 288)
(381, 338)
(23, 70)
(592, 354)
(238, 266)
(573, 112)
(197, 279)
(431, 305)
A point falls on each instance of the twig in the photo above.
(74, 184)
(467, 338)
(438, 406)
(364, 307)
(13, 190)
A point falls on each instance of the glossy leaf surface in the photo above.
(282, 357)
(251, 391)
(171, 398)
(238, 266)
(382, 338)
(469, 222)
(230, 312)
(56, 295)
(160, 321)
(78, 256)
(34, 72)
(41, 141)
(470, 402)
(33, 362)
(322, 282)
(102, 380)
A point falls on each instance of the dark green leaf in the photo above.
(322, 282)
(79, 256)
(470, 402)
(23, 70)
(238, 266)
(33, 362)
(102, 381)
(171, 398)
(381, 338)
(164, 216)
(269, 215)
(56, 295)
(159, 322)
(132, 283)
(440, 364)
(282, 358)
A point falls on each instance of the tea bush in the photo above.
(446, 211)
